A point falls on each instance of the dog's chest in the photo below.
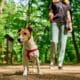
(30, 48)
(30, 44)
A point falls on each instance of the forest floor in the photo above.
(14, 72)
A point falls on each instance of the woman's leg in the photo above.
(62, 47)
(54, 42)
(53, 52)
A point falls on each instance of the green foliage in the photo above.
(15, 17)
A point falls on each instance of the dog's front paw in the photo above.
(25, 73)
(34, 70)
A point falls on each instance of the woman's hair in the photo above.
(55, 0)
(65, 1)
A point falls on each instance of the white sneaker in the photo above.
(60, 66)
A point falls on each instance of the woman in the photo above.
(57, 29)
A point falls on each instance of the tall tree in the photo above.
(75, 4)
(2, 3)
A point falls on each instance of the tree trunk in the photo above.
(74, 40)
(2, 5)
(76, 47)
(29, 12)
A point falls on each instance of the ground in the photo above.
(15, 73)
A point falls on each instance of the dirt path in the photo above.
(15, 73)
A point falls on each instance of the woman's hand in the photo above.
(51, 16)
(70, 27)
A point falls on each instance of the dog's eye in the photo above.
(25, 33)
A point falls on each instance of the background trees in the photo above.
(18, 13)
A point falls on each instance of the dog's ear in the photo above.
(30, 28)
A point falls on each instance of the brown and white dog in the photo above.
(30, 49)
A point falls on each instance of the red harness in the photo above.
(29, 51)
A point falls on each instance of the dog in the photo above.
(30, 49)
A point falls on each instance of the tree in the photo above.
(2, 3)
(75, 23)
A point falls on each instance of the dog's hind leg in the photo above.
(38, 65)
(34, 63)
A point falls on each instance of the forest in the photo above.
(16, 14)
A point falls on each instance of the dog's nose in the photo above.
(19, 40)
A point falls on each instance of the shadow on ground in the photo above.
(41, 77)
(15, 73)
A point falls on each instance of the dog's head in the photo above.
(25, 34)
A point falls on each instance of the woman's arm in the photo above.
(69, 21)
(51, 15)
